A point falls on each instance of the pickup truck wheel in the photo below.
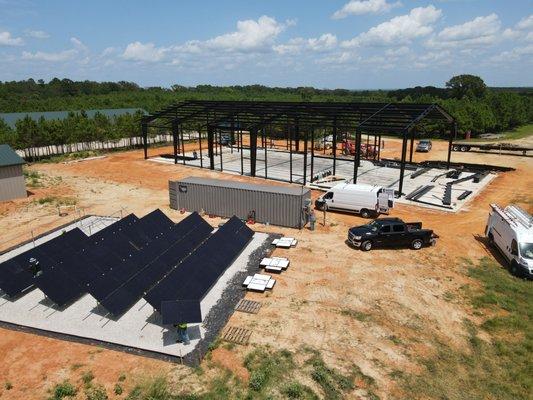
(366, 246)
(416, 244)
(365, 213)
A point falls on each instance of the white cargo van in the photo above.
(510, 230)
(367, 200)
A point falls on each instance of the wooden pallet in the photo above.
(248, 306)
(237, 335)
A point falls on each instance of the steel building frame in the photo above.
(373, 119)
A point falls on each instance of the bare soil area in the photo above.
(378, 310)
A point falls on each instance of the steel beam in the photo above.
(357, 155)
(175, 141)
(402, 163)
(253, 151)
(210, 143)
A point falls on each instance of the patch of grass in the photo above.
(118, 390)
(33, 178)
(154, 389)
(497, 369)
(8, 385)
(295, 390)
(71, 156)
(358, 315)
(266, 367)
(63, 390)
(87, 377)
(75, 367)
(57, 201)
(96, 393)
(332, 382)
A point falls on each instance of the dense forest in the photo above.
(478, 109)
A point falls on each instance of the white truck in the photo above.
(367, 200)
(510, 230)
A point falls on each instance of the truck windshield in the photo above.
(526, 250)
(374, 226)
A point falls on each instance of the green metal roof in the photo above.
(9, 157)
(12, 118)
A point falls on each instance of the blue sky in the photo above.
(354, 44)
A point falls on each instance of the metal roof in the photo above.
(8, 156)
(367, 117)
(12, 118)
(293, 191)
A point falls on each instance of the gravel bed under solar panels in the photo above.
(140, 329)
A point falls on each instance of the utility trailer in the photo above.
(467, 146)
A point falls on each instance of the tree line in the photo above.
(476, 107)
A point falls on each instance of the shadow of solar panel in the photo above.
(175, 312)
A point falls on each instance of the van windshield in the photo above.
(526, 250)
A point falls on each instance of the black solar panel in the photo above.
(180, 311)
(200, 271)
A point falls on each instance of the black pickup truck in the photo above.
(391, 232)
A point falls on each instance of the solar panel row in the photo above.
(199, 272)
(172, 265)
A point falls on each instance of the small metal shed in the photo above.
(276, 205)
(12, 183)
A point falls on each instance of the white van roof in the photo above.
(519, 219)
(358, 187)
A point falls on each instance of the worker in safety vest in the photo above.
(183, 336)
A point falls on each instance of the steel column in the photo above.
(144, 129)
(334, 145)
(200, 142)
(379, 148)
(412, 145)
(357, 155)
(210, 143)
(306, 138)
(253, 151)
(453, 134)
(180, 130)
(220, 147)
(175, 140)
(402, 163)
(312, 155)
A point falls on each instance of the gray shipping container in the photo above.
(276, 205)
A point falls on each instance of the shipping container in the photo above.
(276, 205)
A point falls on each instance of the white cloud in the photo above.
(400, 51)
(60, 56)
(250, 35)
(526, 23)
(359, 7)
(516, 54)
(37, 34)
(399, 30)
(7, 40)
(481, 31)
(325, 42)
(146, 52)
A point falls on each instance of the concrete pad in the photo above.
(278, 168)
(139, 328)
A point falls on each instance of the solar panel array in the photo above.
(200, 271)
(172, 265)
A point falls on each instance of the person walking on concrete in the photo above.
(183, 336)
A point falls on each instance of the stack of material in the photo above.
(274, 264)
(286, 242)
(259, 282)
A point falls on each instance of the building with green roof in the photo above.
(12, 183)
